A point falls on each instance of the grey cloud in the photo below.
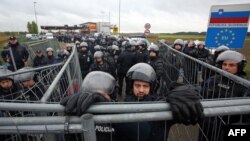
(164, 15)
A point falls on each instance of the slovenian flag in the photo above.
(229, 17)
(228, 25)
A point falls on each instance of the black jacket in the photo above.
(105, 67)
(126, 60)
(222, 87)
(39, 61)
(20, 55)
(191, 51)
(203, 53)
(10, 94)
(146, 131)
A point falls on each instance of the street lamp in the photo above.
(36, 16)
(119, 15)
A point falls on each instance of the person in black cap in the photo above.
(40, 59)
(19, 53)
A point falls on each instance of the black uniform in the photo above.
(157, 64)
(9, 94)
(146, 131)
(214, 88)
(105, 67)
(39, 61)
(142, 56)
(51, 60)
(85, 60)
(126, 60)
(191, 51)
(203, 53)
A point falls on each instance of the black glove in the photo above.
(77, 104)
(185, 104)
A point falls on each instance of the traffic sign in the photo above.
(228, 25)
(147, 26)
(146, 32)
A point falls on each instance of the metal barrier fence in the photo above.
(214, 84)
(51, 84)
(46, 119)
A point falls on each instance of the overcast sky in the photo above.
(165, 16)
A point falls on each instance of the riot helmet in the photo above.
(219, 50)
(83, 44)
(153, 51)
(98, 54)
(142, 43)
(77, 43)
(97, 47)
(98, 81)
(178, 42)
(5, 72)
(201, 43)
(154, 48)
(233, 56)
(115, 43)
(27, 75)
(143, 72)
(115, 47)
(49, 49)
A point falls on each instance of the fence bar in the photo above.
(115, 118)
(119, 118)
(33, 69)
(35, 129)
(118, 107)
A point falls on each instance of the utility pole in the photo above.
(36, 16)
(119, 16)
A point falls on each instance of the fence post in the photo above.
(13, 59)
(89, 126)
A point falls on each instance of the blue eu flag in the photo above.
(230, 37)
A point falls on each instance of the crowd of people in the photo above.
(110, 61)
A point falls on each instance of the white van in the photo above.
(32, 36)
(49, 35)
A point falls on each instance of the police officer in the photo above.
(141, 79)
(157, 63)
(8, 89)
(190, 49)
(142, 52)
(32, 91)
(40, 59)
(85, 59)
(178, 44)
(90, 93)
(112, 55)
(102, 65)
(203, 53)
(219, 86)
(19, 52)
(51, 59)
(126, 60)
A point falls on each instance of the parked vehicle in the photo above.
(49, 35)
